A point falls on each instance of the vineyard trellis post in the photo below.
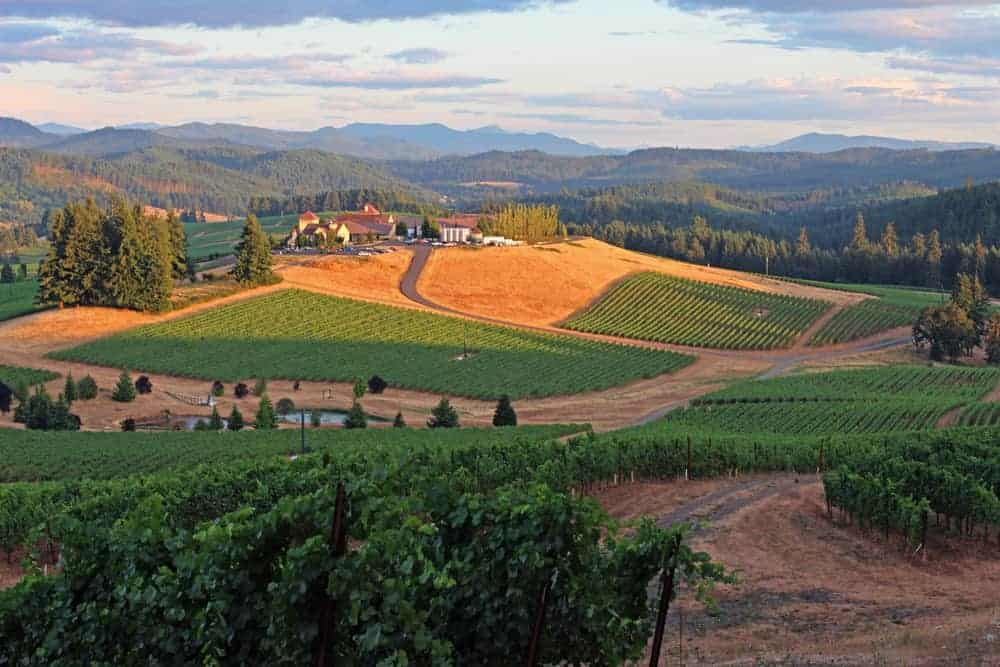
(536, 631)
(666, 593)
(328, 618)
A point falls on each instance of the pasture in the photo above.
(664, 309)
(299, 335)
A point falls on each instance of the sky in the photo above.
(618, 73)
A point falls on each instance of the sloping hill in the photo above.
(16, 133)
(816, 142)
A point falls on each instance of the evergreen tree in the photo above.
(356, 417)
(124, 391)
(22, 272)
(399, 422)
(235, 422)
(802, 246)
(178, 246)
(504, 415)
(253, 255)
(970, 295)
(215, 422)
(53, 287)
(979, 252)
(69, 390)
(266, 418)
(86, 389)
(443, 416)
(140, 277)
(5, 397)
(7, 274)
(934, 255)
(890, 241)
(859, 239)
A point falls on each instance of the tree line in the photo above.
(343, 200)
(922, 260)
(523, 222)
(114, 256)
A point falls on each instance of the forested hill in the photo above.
(959, 215)
(771, 172)
(214, 179)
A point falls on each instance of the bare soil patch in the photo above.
(524, 286)
(813, 591)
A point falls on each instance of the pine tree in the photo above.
(52, 285)
(443, 416)
(399, 422)
(802, 246)
(859, 240)
(178, 246)
(235, 422)
(889, 241)
(215, 422)
(6, 394)
(140, 279)
(69, 390)
(356, 417)
(504, 415)
(266, 418)
(124, 391)
(253, 255)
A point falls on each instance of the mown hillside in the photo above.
(220, 180)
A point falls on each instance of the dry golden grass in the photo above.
(543, 285)
(374, 278)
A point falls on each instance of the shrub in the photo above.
(359, 390)
(399, 422)
(504, 415)
(285, 406)
(143, 385)
(124, 391)
(241, 390)
(69, 390)
(215, 422)
(443, 416)
(5, 395)
(218, 389)
(266, 419)
(377, 385)
(235, 422)
(86, 389)
(128, 425)
(356, 417)
(260, 388)
(201, 425)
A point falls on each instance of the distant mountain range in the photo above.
(831, 143)
(366, 140)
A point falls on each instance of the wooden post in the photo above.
(536, 631)
(338, 542)
(666, 592)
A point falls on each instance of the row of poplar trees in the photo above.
(114, 256)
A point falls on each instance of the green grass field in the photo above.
(893, 307)
(37, 456)
(17, 299)
(14, 376)
(659, 308)
(220, 238)
(894, 398)
(300, 335)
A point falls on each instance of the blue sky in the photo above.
(711, 73)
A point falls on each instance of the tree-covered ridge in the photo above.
(920, 260)
(219, 180)
(398, 201)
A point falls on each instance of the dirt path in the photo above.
(803, 341)
(728, 500)
(948, 418)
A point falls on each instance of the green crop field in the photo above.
(299, 335)
(979, 414)
(38, 456)
(893, 307)
(14, 376)
(894, 398)
(659, 308)
(17, 299)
